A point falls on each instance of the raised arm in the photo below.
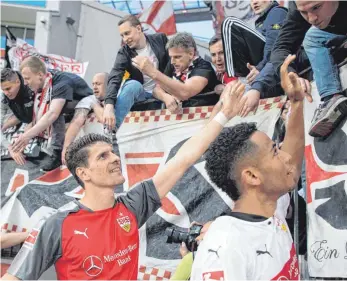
(75, 126)
(196, 146)
(294, 141)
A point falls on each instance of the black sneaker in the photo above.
(52, 162)
(328, 116)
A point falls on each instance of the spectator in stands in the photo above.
(248, 166)
(217, 54)
(97, 237)
(317, 22)
(247, 51)
(185, 78)
(19, 98)
(55, 91)
(84, 107)
(121, 97)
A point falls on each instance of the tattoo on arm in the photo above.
(80, 112)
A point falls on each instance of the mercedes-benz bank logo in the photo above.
(93, 265)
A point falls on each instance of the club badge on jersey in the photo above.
(124, 222)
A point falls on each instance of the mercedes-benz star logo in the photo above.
(93, 266)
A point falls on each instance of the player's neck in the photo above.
(257, 205)
(98, 199)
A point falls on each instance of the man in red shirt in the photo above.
(97, 237)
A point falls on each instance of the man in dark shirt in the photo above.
(185, 78)
(247, 51)
(20, 99)
(97, 238)
(54, 92)
(320, 22)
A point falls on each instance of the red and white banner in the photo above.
(21, 49)
(159, 17)
(326, 171)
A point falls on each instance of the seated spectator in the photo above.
(97, 237)
(314, 23)
(84, 107)
(55, 91)
(216, 49)
(254, 242)
(247, 51)
(121, 97)
(185, 78)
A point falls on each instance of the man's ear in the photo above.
(139, 28)
(83, 174)
(251, 176)
(191, 53)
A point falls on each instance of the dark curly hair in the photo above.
(77, 153)
(225, 154)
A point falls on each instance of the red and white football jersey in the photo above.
(248, 247)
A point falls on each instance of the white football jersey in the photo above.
(248, 247)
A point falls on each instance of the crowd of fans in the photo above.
(248, 64)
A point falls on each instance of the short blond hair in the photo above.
(35, 64)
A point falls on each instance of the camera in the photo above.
(176, 236)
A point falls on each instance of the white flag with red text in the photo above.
(159, 17)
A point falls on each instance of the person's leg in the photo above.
(58, 136)
(242, 45)
(326, 74)
(325, 71)
(132, 91)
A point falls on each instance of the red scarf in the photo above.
(41, 104)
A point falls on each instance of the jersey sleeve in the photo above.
(142, 200)
(41, 249)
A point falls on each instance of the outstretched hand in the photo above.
(232, 99)
(291, 84)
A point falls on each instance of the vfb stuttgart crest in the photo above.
(124, 222)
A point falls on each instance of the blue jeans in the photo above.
(325, 70)
(132, 91)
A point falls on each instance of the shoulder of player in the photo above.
(55, 218)
(224, 227)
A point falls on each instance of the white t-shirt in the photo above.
(87, 102)
(148, 82)
(236, 248)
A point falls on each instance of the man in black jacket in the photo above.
(247, 51)
(20, 100)
(137, 87)
(320, 22)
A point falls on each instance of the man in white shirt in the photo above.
(254, 242)
(83, 108)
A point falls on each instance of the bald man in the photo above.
(84, 107)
